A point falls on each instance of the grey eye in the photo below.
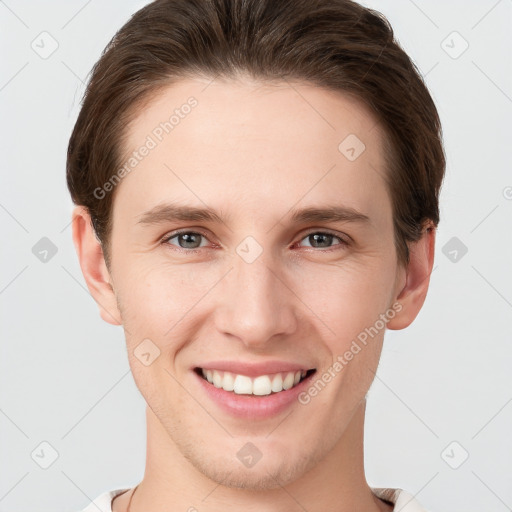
(321, 240)
(187, 240)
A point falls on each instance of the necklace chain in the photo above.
(131, 497)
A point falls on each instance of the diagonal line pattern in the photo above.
(209, 83)
(302, 197)
(488, 12)
(76, 14)
(374, 62)
(377, 171)
(13, 279)
(14, 424)
(332, 332)
(492, 286)
(508, 506)
(13, 13)
(14, 218)
(404, 403)
(289, 494)
(432, 68)
(66, 226)
(280, 423)
(216, 487)
(193, 193)
(14, 76)
(414, 496)
(424, 14)
(195, 304)
(485, 425)
(111, 388)
(72, 72)
(492, 81)
(14, 486)
(89, 293)
(199, 403)
(88, 497)
(292, 87)
(492, 211)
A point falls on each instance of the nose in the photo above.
(256, 304)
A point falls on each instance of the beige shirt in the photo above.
(402, 500)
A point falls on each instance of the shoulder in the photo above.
(402, 500)
(103, 503)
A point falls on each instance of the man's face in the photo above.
(259, 286)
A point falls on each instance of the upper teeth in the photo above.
(261, 385)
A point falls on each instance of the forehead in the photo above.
(244, 144)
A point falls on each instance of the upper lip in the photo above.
(254, 369)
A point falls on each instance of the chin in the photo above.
(264, 475)
(259, 480)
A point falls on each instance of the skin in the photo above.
(253, 152)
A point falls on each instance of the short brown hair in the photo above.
(336, 44)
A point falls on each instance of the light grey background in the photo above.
(64, 373)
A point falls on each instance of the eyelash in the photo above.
(164, 241)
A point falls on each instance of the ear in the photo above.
(94, 268)
(412, 294)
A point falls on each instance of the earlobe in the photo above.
(94, 268)
(412, 295)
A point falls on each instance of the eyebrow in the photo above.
(328, 214)
(172, 212)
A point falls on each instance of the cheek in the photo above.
(157, 296)
(346, 298)
(162, 304)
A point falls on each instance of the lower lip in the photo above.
(253, 406)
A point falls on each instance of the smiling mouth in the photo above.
(268, 384)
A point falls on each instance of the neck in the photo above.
(336, 482)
